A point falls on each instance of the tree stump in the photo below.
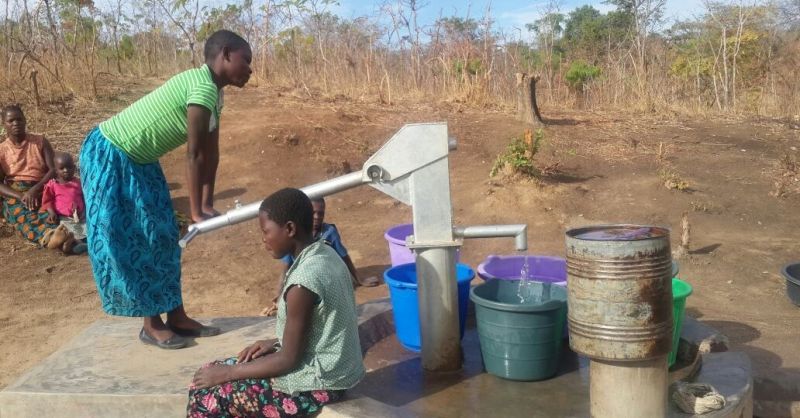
(527, 108)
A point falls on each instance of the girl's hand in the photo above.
(52, 218)
(213, 375)
(271, 310)
(257, 349)
(31, 199)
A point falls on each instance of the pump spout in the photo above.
(518, 231)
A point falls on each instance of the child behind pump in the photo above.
(329, 234)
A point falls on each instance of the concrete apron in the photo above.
(106, 372)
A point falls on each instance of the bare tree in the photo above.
(114, 21)
(548, 29)
(184, 14)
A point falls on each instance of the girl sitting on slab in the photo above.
(317, 355)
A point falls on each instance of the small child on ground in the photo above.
(62, 197)
(330, 235)
(317, 355)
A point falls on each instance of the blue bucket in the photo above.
(402, 281)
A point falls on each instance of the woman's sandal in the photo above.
(172, 343)
(203, 331)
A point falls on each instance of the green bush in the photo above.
(519, 155)
(473, 67)
(580, 73)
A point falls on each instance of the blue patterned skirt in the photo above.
(131, 231)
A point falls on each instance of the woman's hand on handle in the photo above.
(204, 215)
(200, 218)
(210, 211)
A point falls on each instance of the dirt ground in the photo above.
(609, 172)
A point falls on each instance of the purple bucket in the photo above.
(398, 252)
(396, 237)
(541, 268)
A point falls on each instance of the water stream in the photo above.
(524, 289)
(530, 290)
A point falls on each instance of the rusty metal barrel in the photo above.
(619, 292)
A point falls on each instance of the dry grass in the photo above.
(672, 180)
(6, 230)
(68, 120)
(683, 247)
(668, 174)
(704, 207)
(786, 177)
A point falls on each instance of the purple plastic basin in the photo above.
(396, 237)
(541, 268)
(398, 252)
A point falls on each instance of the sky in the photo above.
(509, 15)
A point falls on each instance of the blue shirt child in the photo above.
(330, 235)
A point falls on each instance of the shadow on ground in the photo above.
(775, 388)
(708, 249)
(560, 122)
(375, 270)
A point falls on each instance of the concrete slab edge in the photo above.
(730, 374)
(776, 409)
(79, 405)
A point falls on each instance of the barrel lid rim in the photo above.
(574, 233)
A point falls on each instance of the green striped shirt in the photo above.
(156, 124)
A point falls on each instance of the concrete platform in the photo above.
(731, 375)
(106, 372)
(395, 386)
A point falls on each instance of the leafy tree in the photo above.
(585, 33)
(459, 29)
(580, 74)
(548, 31)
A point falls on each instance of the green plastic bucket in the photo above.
(680, 291)
(520, 341)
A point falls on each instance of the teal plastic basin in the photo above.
(520, 341)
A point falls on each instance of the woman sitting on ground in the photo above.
(26, 165)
